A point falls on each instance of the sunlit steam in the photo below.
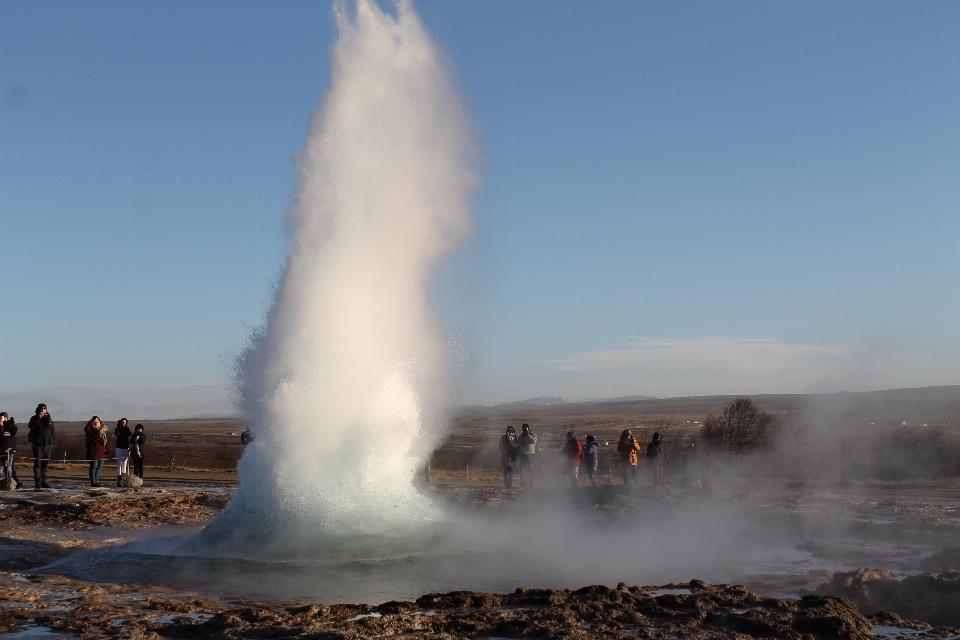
(333, 381)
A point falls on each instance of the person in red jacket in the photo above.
(95, 437)
(573, 451)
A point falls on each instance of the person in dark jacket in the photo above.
(528, 449)
(591, 459)
(8, 448)
(657, 457)
(122, 447)
(509, 447)
(136, 450)
(573, 451)
(42, 435)
(95, 437)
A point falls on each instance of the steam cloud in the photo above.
(335, 381)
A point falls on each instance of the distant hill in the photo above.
(925, 405)
(546, 400)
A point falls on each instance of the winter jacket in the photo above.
(508, 447)
(573, 450)
(591, 457)
(96, 442)
(42, 432)
(528, 443)
(136, 443)
(628, 451)
(8, 437)
(123, 437)
(656, 454)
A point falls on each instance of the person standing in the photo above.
(136, 450)
(95, 437)
(628, 448)
(42, 435)
(528, 448)
(591, 459)
(573, 451)
(508, 455)
(122, 447)
(8, 448)
(657, 457)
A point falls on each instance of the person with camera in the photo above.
(628, 448)
(42, 434)
(509, 447)
(528, 448)
(122, 447)
(591, 459)
(8, 448)
(657, 457)
(573, 451)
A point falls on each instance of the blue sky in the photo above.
(678, 197)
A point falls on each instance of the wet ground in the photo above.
(881, 547)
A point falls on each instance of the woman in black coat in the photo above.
(136, 450)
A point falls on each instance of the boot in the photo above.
(45, 485)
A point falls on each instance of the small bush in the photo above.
(741, 428)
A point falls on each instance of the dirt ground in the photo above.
(690, 610)
(40, 527)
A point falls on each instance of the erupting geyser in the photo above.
(333, 382)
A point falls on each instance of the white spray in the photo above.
(331, 381)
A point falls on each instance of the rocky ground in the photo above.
(39, 527)
(692, 610)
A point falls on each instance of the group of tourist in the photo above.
(128, 448)
(42, 433)
(519, 451)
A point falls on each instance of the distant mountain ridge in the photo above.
(548, 400)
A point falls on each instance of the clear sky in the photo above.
(679, 198)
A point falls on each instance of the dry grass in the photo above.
(885, 449)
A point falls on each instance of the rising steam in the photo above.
(332, 382)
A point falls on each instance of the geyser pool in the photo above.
(342, 377)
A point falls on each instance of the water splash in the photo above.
(335, 380)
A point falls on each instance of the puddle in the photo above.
(38, 632)
(360, 616)
(168, 619)
(891, 631)
(682, 591)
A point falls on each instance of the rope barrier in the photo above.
(186, 457)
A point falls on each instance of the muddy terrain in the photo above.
(691, 610)
(895, 586)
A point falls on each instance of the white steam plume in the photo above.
(331, 381)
